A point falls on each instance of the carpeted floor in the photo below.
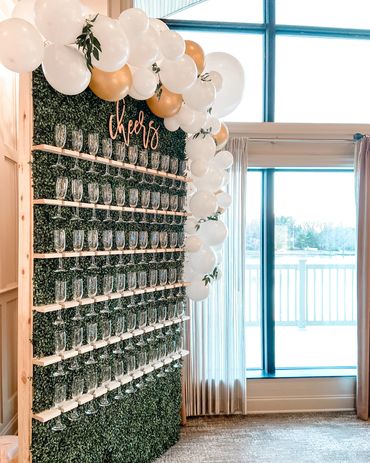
(287, 438)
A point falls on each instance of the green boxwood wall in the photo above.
(143, 425)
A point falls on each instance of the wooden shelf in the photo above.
(104, 207)
(101, 298)
(56, 255)
(111, 162)
(52, 359)
(69, 405)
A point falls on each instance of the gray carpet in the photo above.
(287, 438)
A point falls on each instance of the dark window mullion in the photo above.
(267, 280)
(269, 61)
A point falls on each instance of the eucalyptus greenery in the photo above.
(88, 43)
(144, 425)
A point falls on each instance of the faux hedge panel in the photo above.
(142, 426)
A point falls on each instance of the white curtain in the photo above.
(215, 374)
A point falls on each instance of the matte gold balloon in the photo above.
(167, 105)
(196, 52)
(221, 137)
(111, 86)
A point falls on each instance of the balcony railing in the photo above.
(306, 294)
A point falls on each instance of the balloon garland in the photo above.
(141, 57)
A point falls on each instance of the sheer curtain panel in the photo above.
(216, 371)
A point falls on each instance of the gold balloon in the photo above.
(196, 52)
(167, 105)
(111, 86)
(221, 137)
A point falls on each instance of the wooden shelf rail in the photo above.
(111, 162)
(104, 207)
(56, 255)
(52, 359)
(68, 405)
(101, 298)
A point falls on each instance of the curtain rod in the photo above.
(303, 140)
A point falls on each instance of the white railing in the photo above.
(306, 294)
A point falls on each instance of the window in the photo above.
(308, 309)
(298, 56)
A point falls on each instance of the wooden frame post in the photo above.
(25, 268)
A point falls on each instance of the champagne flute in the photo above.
(60, 246)
(106, 377)
(162, 352)
(60, 396)
(77, 144)
(172, 276)
(93, 143)
(77, 338)
(132, 159)
(106, 334)
(60, 137)
(93, 244)
(143, 162)
(130, 326)
(152, 320)
(61, 186)
(93, 192)
(92, 291)
(155, 159)
(174, 167)
(153, 278)
(142, 282)
(91, 382)
(120, 288)
(133, 237)
(78, 244)
(154, 243)
(173, 245)
(118, 371)
(141, 363)
(77, 291)
(155, 197)
(107, 241)
(142, 323)
(91, 336)
(165, 166)
(107, 200)
(60, 342)
(120, 201)
(130, 368)
(165, 204)
(119, 329)
(133, 199)
(77, 390)
(163, 240)
(120, 245)
(143, 243)
(174, 204)
(77, 193)
(107, 153)
(107, 291)
(120, 151)
(60, 298)
(145, 201)
(152, 359)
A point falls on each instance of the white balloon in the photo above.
(200, 148)
(211, 181)
(158, 25)
(134, 21)
(144, 49)
(191, 226)
(199, 167)
(213, 232)
(216, 79)
(203, 261)
(213, 125)
(197, 291)
(226, 180)
(171, 44)
(200, 95)
(230, 95)
(21, 45)
(114, 44)
(144, 82)
(178, 75)
(59, 21)
(193, 243)
(224, 200)
(171, 123)
(185, 115)
(134, 94)
(203, 204)
(197, 123)
(25, 9)
(224, 159)
(218, 258)
(65, 69)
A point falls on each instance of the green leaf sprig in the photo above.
(211, 277)
(88, 43)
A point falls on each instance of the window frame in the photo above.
(270, 30)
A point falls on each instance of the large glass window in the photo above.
(315, 83)
(315, 281)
